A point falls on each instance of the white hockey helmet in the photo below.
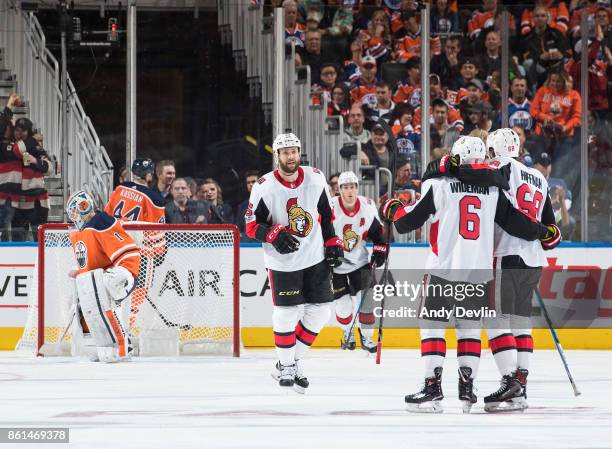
(347, 177)
(470, 149)
(287, 140)
(79, 208)
(504, 142)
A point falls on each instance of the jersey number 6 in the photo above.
(469, 221)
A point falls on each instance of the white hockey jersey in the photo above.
(302, 207)
(462, 229)
(354, 228)
(529, 193)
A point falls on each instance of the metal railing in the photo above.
(38, 80)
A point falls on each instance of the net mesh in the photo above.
(185, 282)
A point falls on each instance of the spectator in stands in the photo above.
(377, 37)
(403, 176)
(250, 178)
(364, 88)
(165, 172)
(408, 38)
(602, 19)
(409, 90)
(577, 8)
(183, 209)
(192, 185)
(352, 67)
(340, 17)
(479, 118)
(123, 174)
(446, 65)
(294, 31)
(408, 141)
(519, 107)
(376, 152)
(468, 71)
(312, 54)
(558, 16)
(33, 207)
(546, 47)
(490, 60)
(220, 212)
(332, 183)
(443, 135)
(472, 94)
(10, 168)
(436, 92)
(322, 90)
(443, 20)
(560, 195)
(384, 105)
(356, 132)
(340, 103)
(486, 17)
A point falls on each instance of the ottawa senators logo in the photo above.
(349, 238)
(80, 252)
(300, 221)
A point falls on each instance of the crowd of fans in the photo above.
(355, 50)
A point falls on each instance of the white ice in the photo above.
(234, 403)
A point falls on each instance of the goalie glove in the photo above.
(379, 255)
(552, 238)
(387, 210)
(334, 252)
(119, 282)
(282, 241)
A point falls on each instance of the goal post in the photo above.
(189, 282)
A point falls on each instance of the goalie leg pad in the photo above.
(102, 321)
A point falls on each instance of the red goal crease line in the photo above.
(16, 265)
(14, 306)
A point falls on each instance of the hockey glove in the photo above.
(552, 237)
(119, 282)
(334, 252)
(379, 255)
(282, 241)
(387, 210)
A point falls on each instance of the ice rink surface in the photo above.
(211, 402)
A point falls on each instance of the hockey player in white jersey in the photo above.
(461, 236)
(289, 212)
(356, 221)
(521, 265)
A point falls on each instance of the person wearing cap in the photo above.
(33, 206)
(364, 88)
(376, 151)
(409, 90)
(478, 118)
(545, 48)
(468, 70)
(355, 132)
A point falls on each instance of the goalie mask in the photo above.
(470, 149)
(80, 209)
(288, 140)
(504, 142)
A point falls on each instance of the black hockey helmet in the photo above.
(142, 166)
(24, 123)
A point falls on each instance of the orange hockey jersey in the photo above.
(558, 17)
(103, 243)
(135, 202)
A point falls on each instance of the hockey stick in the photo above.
(167, 322)
(363, 294)
(557, 342)
(382, 302)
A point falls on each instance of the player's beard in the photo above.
(288, 169)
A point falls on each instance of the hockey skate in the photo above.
(348, 341)
(466, 389)
(285, 375)
(521, 375)
(366, 343)
(428, 399)
(301, 381)
(507, 397)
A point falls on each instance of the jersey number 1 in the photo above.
(469, 221)
(131, 215)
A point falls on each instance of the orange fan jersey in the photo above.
(484, 19)
(558, 17)
(135, 202)
(103, 243)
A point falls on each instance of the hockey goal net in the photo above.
(191, 287)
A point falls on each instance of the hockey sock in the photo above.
(283, 322)
(366, 323)
(468, 345)
(307, 329)
(503, 348)
(524, 346)
(433, 349)
(344, 311)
